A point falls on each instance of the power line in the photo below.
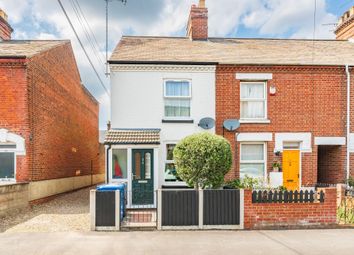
(83, 48)
(90, 31)
(88, 36)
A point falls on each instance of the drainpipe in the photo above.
(348, 121)
(107, 163)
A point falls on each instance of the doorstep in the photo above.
(140, 219)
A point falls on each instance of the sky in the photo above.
(44, 19)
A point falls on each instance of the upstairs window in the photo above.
(253, 100)
(177, 97)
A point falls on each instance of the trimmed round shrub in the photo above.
(203, 159)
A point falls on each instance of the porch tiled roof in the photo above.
(133, 136)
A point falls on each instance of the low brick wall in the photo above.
(12, 197)
(290, 215)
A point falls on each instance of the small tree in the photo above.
(203, 159)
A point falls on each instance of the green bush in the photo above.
(203, 159)
(351, 181)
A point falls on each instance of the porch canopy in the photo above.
(132, 136)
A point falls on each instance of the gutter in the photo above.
(348, 122)
(123, 62)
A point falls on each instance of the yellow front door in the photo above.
(291, 169)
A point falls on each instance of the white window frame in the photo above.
(177, 97)
(15, 164)
(265, 100)
(165, 162)
(115, 180)
(264, 161)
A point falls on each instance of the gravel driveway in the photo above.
(68, 212)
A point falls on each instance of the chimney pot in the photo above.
(201, 3)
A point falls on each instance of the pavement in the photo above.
(333, 241)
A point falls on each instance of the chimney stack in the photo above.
(5, 28)
(197, 28)
(345, 27)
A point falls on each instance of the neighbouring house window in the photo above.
(252, 160)
(119, 163)
(7, 165)
(253, 100)
(177, 96)
(170, 169)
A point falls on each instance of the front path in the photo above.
(335, 241)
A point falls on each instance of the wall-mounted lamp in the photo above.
(272, 90)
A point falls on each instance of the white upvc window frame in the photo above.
(264, 161)
(165, 81)
(13, 151)
(265, 100)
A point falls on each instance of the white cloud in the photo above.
(277, 17)
(16, 9)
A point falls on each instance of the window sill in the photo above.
(255, 121)
(189, 121)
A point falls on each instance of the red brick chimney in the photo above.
(5, 28)
(345, 27)
(197, 28)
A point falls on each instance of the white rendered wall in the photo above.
(137, 102)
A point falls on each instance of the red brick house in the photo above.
(293, 98)
(48, 120)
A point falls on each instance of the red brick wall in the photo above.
(273, 215)
(14, 108)
(64, 117)
(308, 99)
(197, 28)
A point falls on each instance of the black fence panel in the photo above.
(287, 196)
(221, 207)
(180, 208)
(105, 208)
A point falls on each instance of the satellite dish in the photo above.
(206, 123)
(231, 125)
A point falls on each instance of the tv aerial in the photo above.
(206, 123)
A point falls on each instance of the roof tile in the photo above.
(234, 51)
(133, 136)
